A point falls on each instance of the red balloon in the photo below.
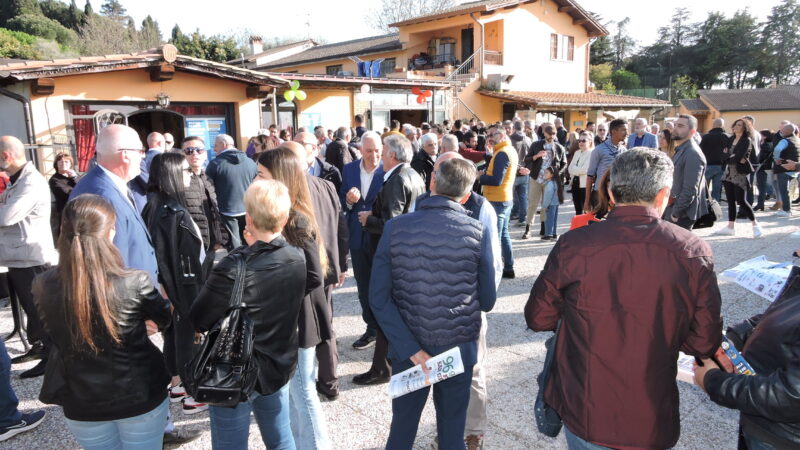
(428, 93)
(421, 99)
(416, 90)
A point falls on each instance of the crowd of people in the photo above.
(424, 216)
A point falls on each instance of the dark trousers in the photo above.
(362, 266)
(328, 357)
(685, 223)
(450, 397)
(179, 346)
(735, 194)
(20, 281)
(578, 195)
(235, 226)
(208, 263)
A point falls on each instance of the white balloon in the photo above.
(365, 89)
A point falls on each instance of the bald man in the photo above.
(316, 166)
(713, 145)
(138, 186)
(333, 228)
(26, 246)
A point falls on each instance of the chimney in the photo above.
(256, 45)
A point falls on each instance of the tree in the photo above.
(41, 26)
(16, 44)
(682, 87)
(600, 76)
(114, 10)
(781, 45)
(392, 11)
(75, 16)
(88, 11)
(100, 35)
(622, 44)
(150, 34)
(737, 50)
(13, 8)
(624, 79)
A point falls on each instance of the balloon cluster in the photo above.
(294, 92)
(364, 95)
(422, 96)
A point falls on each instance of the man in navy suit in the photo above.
(119, 156)
(362, 180)
(640, 137)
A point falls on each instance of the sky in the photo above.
(341, 20)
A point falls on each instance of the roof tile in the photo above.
(374, 44)
(574, 99)
(779, 98)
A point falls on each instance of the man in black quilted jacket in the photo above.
(427, 306)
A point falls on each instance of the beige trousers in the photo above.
(535, 193)
(477, 420)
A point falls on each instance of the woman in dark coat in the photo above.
(61, 184)
(736, 181)
(180, 254)
(103, 370)
(275, 283)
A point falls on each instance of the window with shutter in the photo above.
(570, 48)
(553, 46)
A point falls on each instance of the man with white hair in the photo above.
(449, 143)
(655, 128)
(640, 137)
(423, 161)
(361, 182)
(401, 187)
(26, 245)
(231, 172)
(410, 132)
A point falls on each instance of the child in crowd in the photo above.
(553, 196)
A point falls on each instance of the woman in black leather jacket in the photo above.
(102, 368)
(274, 287)
(769, 402)
(316, 318)
(180, 254)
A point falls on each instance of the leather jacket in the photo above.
(559, 161)
(178, 249)
(120, 380)
(398, 195)
(275, 285)
(770, 401)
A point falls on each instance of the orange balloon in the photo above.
(421, 99)
(416, 90)
(428, 93)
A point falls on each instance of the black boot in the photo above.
(527, 232)
(541, 229)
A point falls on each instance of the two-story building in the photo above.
(501, 58)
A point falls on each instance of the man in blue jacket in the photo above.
(362, 180)
(426, 306)
(231, 172)
(640, 137)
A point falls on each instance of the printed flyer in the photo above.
(442, 366)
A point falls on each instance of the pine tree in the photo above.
(114, 10)
(88, 11)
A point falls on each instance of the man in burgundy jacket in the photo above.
(631, 292)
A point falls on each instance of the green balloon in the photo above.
(288, 95)
(301, 95)
(295, 85)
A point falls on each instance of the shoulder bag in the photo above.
(222, 373)
(547, 419)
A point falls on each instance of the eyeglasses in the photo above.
(192, 150)
(140, 151)
(169, 142)
(583, 140)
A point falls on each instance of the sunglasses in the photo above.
(192, 150)
(583, 140)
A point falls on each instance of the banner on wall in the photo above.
(207, 128)
(310, 120)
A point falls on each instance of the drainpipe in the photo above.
(482, 43)
(26, 110)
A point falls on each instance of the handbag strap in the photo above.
(238, 286)
(548, 359)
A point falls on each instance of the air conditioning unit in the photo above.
(499, 82)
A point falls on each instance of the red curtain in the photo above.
(84, 142)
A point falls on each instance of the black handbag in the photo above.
(714, 213)
(222, 373)
(547, 419)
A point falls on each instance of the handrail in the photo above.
(467, 107)
(464, 68)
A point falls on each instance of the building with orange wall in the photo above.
(767, 106)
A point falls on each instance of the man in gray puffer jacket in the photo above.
(432, 275)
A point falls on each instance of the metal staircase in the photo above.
(460, 78)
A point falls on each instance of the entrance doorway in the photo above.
(413, 116)
(161, 120)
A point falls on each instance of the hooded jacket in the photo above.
(231, 172)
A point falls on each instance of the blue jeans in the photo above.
(230, 427)
(450, 398)
(764, 184)
(308, 422)
(577, 443)
(550, 223)
(520, 208)
(503, 210)
(142, 432)
(9, 414)
(714, 176)
(783, 190)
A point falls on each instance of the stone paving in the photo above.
(360, 418)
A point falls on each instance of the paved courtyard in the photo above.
(360, 418)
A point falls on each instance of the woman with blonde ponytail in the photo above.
(103, 370)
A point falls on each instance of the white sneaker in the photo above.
(192, 407)
(782, 213)
(757, 232)
(725, 231)
(177, 393)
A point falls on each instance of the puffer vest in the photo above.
(435, 255)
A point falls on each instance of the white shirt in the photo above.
(366, 179)
(390, 172)
(580, 165)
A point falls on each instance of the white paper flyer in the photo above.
(442, 366)
(760, 276)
